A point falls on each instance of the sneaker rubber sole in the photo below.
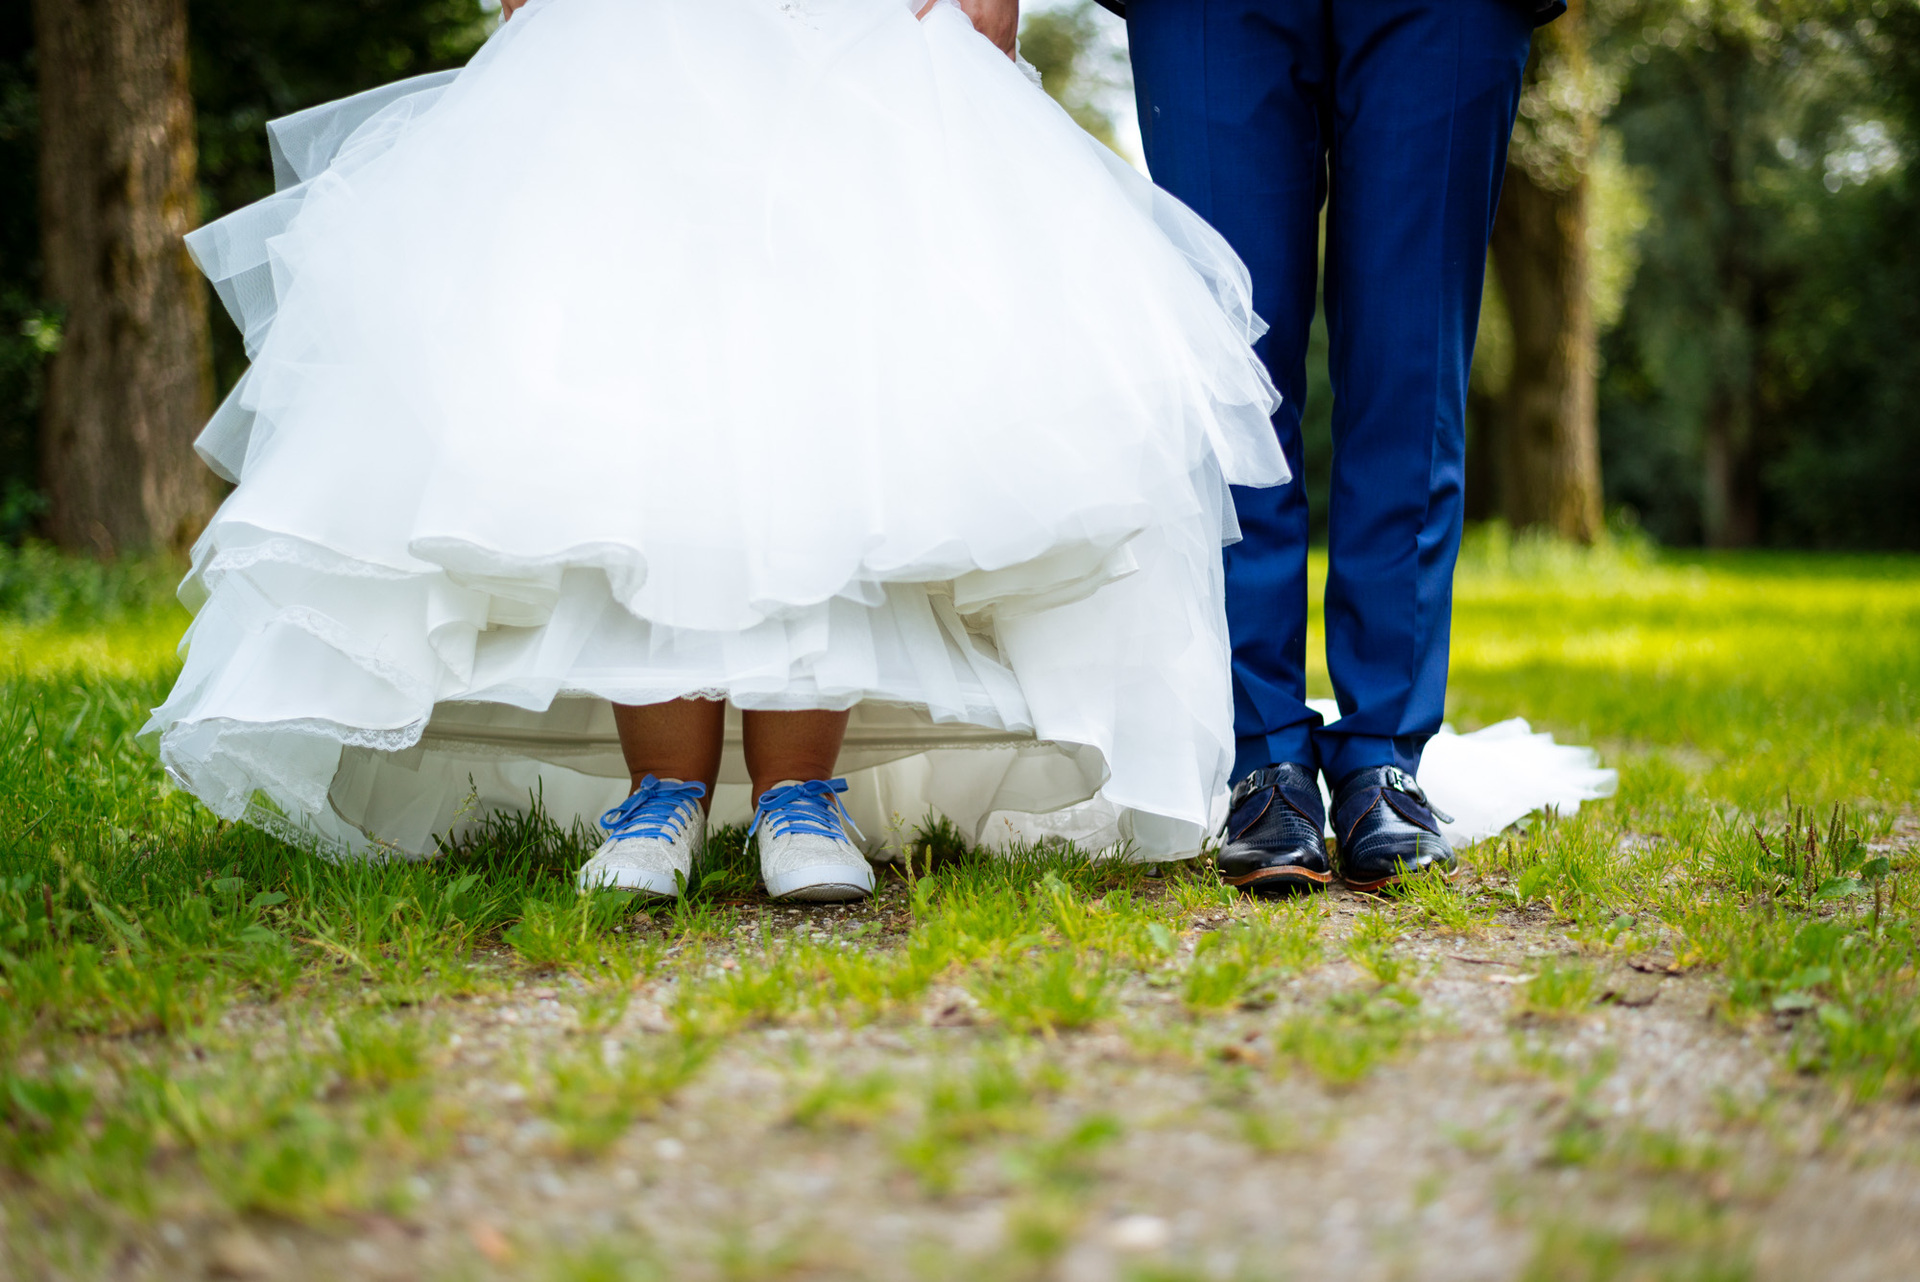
(822, 884)
(663, 885)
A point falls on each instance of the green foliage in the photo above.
(27, 331)
(604, 1262)
(746, 993)
(835, 1101)
(1231, 967)
(1060, 991)
(1557, 989)
(861, 984)
(592, 1094)
(1848, 994)
(1758, 163)
(378, 1051)
(1077, 66)
(1065, 1162)
(996, 1095)
(568, 930)
(1737, 679)
(194, 1015)
(1441, 901)
(1350, 1035)
(250, 62)
(43, 1116)
(1682, 1239)
(1765, 340)
(1370, 947)
(255, 1129)
(40, 586)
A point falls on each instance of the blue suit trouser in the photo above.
(1394, 115)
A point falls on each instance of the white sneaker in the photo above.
(652, 837)
(804, 851)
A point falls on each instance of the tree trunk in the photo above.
(1550, 463)
(132, 382)
(1487, 402)
(1730, 498)
(1730, 507)
(1484, 444)
(1551, 471)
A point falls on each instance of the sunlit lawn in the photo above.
(135, 930)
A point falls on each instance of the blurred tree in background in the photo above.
(1760, 386)
(1545, 427)
(128, 382)
(25, 335)
(249, 63)
(1705, 257)
(1080, 69)
(1840, 460)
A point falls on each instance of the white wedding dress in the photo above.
(798, 352)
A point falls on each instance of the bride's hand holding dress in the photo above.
(997, 20)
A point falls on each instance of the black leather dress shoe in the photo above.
(1276, 827)
(1386, 827)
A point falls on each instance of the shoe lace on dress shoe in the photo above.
(810, 807)
(657, 808)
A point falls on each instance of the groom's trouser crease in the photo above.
(1396, 115)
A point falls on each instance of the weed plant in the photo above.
(998, 1094)
(1351, 1034)
(592, 1093)
(1235, 966)
(831, 1101)
(1557, 989)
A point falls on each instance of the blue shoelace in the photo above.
(812, 807)
(656, 809)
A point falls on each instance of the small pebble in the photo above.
(1140, 1233)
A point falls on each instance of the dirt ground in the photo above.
(1644, 1138)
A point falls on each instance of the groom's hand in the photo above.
(997, 20)
(508, 6)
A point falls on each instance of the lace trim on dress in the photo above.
(297, 835)
(396, 740)
(331, 633)
(228, 740)
(262, 814)
(284, 551)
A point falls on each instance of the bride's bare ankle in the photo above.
(782, 746)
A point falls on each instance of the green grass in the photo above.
(1350, 1035)
(1557, 989)
(1233, 967)
(996, 1095)
(193, 1015)
(592, 1094)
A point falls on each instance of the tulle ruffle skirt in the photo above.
(803, 354)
